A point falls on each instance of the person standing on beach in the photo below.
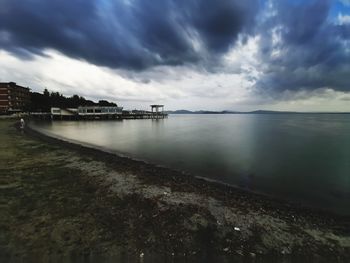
(22, 123)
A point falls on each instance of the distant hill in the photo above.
(271, 112)
(200, 112)
(217, 112)
(249, 112)
(180, 112)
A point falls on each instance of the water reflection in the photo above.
(300, 157)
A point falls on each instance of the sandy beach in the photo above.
(66, 202)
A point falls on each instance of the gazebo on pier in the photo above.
(157, 109)
(158, 112)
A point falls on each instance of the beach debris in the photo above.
(285, 251)
(142, 255)
(237, 228)
(166, 193)
(155, 215)
(226, 249)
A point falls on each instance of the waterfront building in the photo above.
(64, 112)
(104, 113)
(98, 110)
(85, 112)
(13, 98)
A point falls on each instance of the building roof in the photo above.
(13, 84)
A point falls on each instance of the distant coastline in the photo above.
(249, 112)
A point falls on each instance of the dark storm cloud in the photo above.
(133, 34)
(313, 50)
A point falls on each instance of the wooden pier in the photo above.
(48, 116)
(100, 113)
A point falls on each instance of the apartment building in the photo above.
(13, 98)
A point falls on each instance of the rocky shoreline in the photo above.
(87, 202)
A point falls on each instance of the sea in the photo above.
(301, 158)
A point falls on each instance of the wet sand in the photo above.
(64, 201)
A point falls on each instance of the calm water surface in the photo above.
(300, 157)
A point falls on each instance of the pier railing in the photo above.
(100, 116)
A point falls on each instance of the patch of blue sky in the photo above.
(340, 7)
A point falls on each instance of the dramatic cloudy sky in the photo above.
(186, 54)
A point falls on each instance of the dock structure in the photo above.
(106, 113)
(155, 108)
(98, 112)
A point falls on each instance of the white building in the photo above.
(64, 112)
(99, 110)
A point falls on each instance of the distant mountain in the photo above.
(180, 112)
(204, 112)
(270, 112)
(200, 112)
(249, 112)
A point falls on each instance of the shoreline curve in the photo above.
(104, 154)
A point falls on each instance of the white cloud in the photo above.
(343, 19)
(183, 87)
(177, 87)
(70, 76)
(319, 100)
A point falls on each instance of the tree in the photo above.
(43, 102)
(46, 93)
(106, 103)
